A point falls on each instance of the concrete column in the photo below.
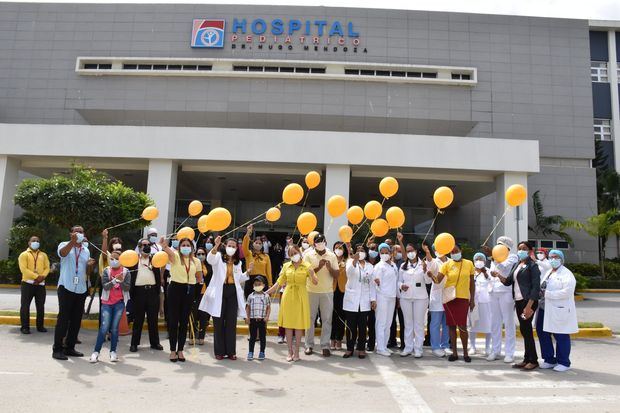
(512, 226)
(8, 182)
(612, 70)
(162, 188)
(337, 180)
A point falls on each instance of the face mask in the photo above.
(175, 244)
(117, 247)
(201, 257)
(385, 257)
(540, 256)
(339, 252)
(115, 263)
(296, 258)
(146, 249)
(209, 246)
(80, 237)
(186, 250)
(479, 264)
(258, 288)
(258, 247)
(319, 246)
(456, 256)
(411, 255)
(230, 251)
(34, 245)
(373, 254)
(522, 254)
(305, 245)
(398, 256)
(153, 239)
(555, 263)
(85, 244)
(361, 255)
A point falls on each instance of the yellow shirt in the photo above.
(230, 274)
(326, 280)
(341, 281)
(452, 269)
(33, 264)
(262, 262)
(103, 262)
(181, 272)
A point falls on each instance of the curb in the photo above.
(600, 290)
(18, 286)
(272, 330)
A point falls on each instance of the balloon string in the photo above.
(123, 223)
(496, 225)
(182, 222)
(360, 226)
(250, 221)
(439, 211)
(331, 221)
(303, 206)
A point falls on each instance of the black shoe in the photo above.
(133, 349)
(467, 359)
(59, 355)
(157, 347)
(453, 357)
(42, 329)
(72, 353)
(25, 330)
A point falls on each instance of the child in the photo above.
(481, 322)
(257, 308)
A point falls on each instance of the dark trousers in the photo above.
(561, 353)
(258, 327)
(356, 329)
(225, 337)
(30, 291)
(70, 309)
(525, 326)
(338, 317)
(372, 338)
(180, 298)
(145, 301)
(401, 323)
(200, 318)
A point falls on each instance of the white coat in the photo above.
(416, 279)
(212, 300)
(560, 311)
(387, 274)
(360, 290)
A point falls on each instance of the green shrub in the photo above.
(582, 282)
(587, 270)
(9, 272)
(604, 284)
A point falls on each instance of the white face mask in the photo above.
(296, 258)
(230, 251)
(479, 264)
(339, 252)
(305, 245)
(258, 288)
(411, 255)
(385, 257)
(361, 255)
(319, 246)
(540, 256)
(117, 247)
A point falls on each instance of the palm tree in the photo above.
(600, 226)
(547, 225)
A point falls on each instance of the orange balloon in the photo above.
(388, 187)
(194, 208)
(355, 214)
(336, 205)
(129, 258)
(379, 227)
(500, 253)
(313, 179)
(306, 222)
(185, 232)
(515, 195)
(395, 217)
(292, 194)
(373, 210)
(444, 243)
(443, 197)
(345, 233)
(273, 214)
(150, 213)
(219, 219)
(203, 225)
(311, 236)
(160, 259)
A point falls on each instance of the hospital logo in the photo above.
(208, 33)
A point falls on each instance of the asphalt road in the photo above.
(31, 380)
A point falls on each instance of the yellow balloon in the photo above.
(185, 232)
(313, 179)
(395, 217)
(379, 227)
(355, 214)
(273, 214)
(160, 259)
(306, 222)
(292, 194)
(444, 243)
(388, 187)
(500, 253)
(150, 213)
(129, 258)
(373, 210)
(311, 236)
(194, 208)
(345, 233)
(443, 197)
(515, 195)
(203, 224)
(219, 219)
(336, 205)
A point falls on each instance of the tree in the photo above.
(600, 226)
(547, 225)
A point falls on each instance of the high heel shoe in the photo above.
(181, 359)
(176, 357)
(347, 354)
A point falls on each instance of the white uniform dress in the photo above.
(414, 302)
(387, 292)
(503, 310)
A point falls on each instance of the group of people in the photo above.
(356, 293)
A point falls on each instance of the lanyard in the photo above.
(187, 267)
(36, 258)
(77, 257)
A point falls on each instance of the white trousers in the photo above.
(503, 313)
(325, 303)
(383, 320)
(414, 313)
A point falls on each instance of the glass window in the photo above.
(546, 243)
(561, 245)
(533, 243)
(598, 72)
(602, 130)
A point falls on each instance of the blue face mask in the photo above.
(80, 237)
(153, 239)
(115, 263)
(34, 245)
(522, 254)
(208, 246)
(373, 254)
(456, 256)
(186, 250)
(175, 244)
(555, 263)
(398, 256)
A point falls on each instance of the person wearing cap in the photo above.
(438, 329)
(502, 306)
(385, 275)
(480, 318)
(557, 314)
(543, 263)
(34, 266)
(324, 263)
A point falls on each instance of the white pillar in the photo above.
(512, 226)
(337, 179)
(162, 188)
(612, 72)
(8, 181)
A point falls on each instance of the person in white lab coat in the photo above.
(480, 317)
(439, 334)
(557, 314)
(385, 275)
(412, 280)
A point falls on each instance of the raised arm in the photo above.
(64, 251)
(164, 244)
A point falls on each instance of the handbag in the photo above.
(449, 293)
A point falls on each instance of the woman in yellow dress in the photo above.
(294, 314)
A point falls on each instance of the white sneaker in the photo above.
(492, 357)
(280, 340)
(94, 357)
(383, 353)
(113, 356)
(417, 354)
(448, 352)
(405, 353)
(509, 359)
(471, 351)
(545, 365)
(439, 353)
(561, 368)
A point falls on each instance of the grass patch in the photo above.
(590, 324)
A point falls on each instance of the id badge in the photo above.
(76, 280)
